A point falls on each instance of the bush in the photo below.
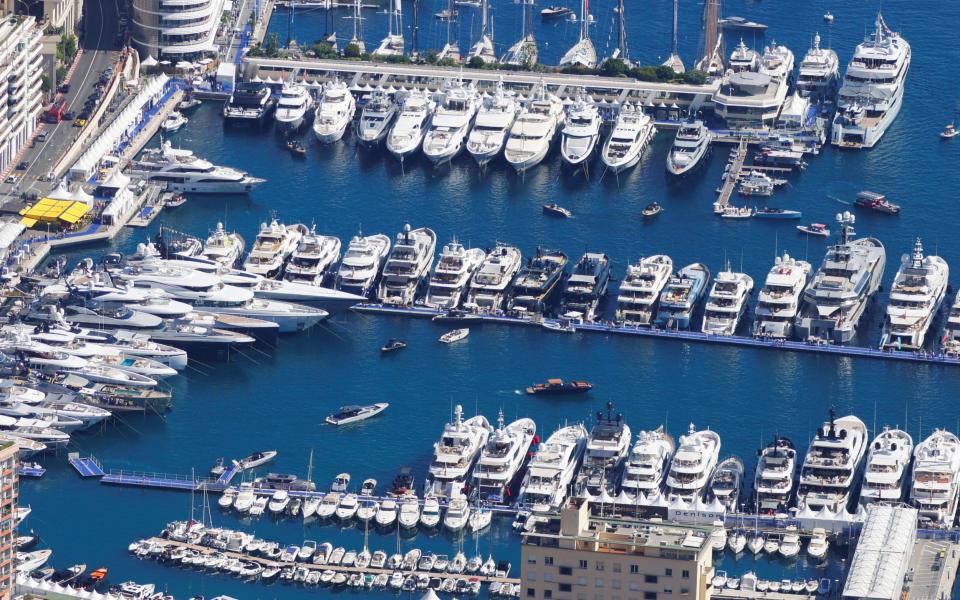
(578, 70)
(323, 50)
(432, 57)
(44, 84)
(476, 63)
(61, 73)
(613, 67)
(695, 77)
(665, 73)
(351, 51)
(644, 73)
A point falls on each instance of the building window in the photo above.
(684, 591)
(685, 574)
(650, 578)
(668, 573)
(617, 568)
(566, 570)
(581, 581)
(599, 566)
(668, 591)
(531, 560)
(531, 576)
(598, 583)
(548, 560)
(583, 564)
(649, 596)
(548, 577)
(635, 569)
(548, 593)
(615, 584)
(530, 593)
(634, 586)
(566, 587)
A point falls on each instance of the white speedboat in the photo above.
(387, 514)
(455, 454)
(646, 468)
(534, 130)
(222, 247)
(936, 478)
(361, 263)
(174, 122)
(779, 298)
(376, 118)
(273, 246)
(640, 289)
(494, 120)
(692, 464)
(409, 513)
(552, 469)
(451, 123)
(832, 464)
(347, 508)
(455, 335)
(279, 501)
(257, 459)
(407, 265)
(292, 107)
(916, 295)
(818, 545)
(607, 448)
(179, 170)
(502, 457)
(354, 413)
(580, 133)
(314, 257)
(411, 125)
(631, 135)
(430, 514)
(451, 275)
(690, 146)
(334, 112)
(488, 286)
(328, 505)
(888, 464)
(774, 478)
(726, 302)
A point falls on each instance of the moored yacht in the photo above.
(744, 59)
(502, 457)
(222, 247)
(681, 295)
(689, 147)
(455, 454)
(536, 283)
(915, 298)
(586, 287)
(249, 103)
(362, 262)
(647, 465)
(832, 465)
(406, 134)
(779, 298)
(292, 107)
(488, 286)
(640, 289)
(607, 448)
(950, 342)
(274, 244)
(314, 257)
(548, 478)
(693, 464)
(726, 483)
(494, 120)
(726, 302)
(936, 478)
(632, 133)
(334, 112)
(451, 123)
(774, 479)
(407, 265)
(819, 71)
(580, 133)
(532, 133)
(885, 478)
(180, 170)
(452, 274)
(841, 289)
(376, 118)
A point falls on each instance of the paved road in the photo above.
(99, 53)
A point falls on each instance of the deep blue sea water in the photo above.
(279, 400)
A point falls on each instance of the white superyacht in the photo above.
(494, 120)
(950, 341)
(607, 448)
(552, 468)
(179, 170)
(779, 298)
(640, 289)
(361, 263)
(819, 71)
(451, 123)
(533, 131)
(407, 265)
(936, 478)
(646, 470)
(455, 454)
(885, 478)
(775, 477)
(580, 133)
(915, 298)
(274, 244)
(631, 135)
(502, 457)
(693, 464)
(222, 247)
(726, 302)
(488, 286)
(832, 465)
(334, 112)
(314, 257)
(872, 92)
(375, 118)
(744, 59)
(411, 125)
(292, 107)
(689, 148)
(452, 274)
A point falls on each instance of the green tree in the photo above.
(44, 84)
(432, 57)
(61, 73)
(272, 47)
(613, 67)
(695, 77)
(665, 73)
(476, 63)
(323, 50)
(352, 51)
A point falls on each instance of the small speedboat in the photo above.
(393, 345)
(653, 209)
(454, 336)
(352, 414)
(257, 459)
(559, 386)
(828, 17)
(555, 209)
(188, 103)
(296, 148)
(554, 12)
(776, 213)
(174, 122)
(949, 132)
(175, 200)
(876, 201)
(815, 229)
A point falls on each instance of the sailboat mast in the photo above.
(675, 45)
(451, 8)
(585, 23)
(483, 19)
(416, 26)
(622, 33)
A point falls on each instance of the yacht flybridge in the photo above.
(532, 133)
(775, 478)
(888, 465)
(407, 265)
(274, 244)
(726, 302)
(455, 454)
(819, 71)
(361, 263)
(646, 469)
(632, 134)
(494, 120)
(936, 478)
(580, 133)
(451, 123)
(832, 464)
(607, 448)
(779, 299)
(488, 286)
(406, 134)
(334, 112)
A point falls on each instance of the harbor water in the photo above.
(276, 398)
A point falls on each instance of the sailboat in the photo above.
(451, 50)
(357, 39)
(583, 53)
(524, 53)
(483, 49)
(392, 45)
(674, 61)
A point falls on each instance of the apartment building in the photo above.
(20, 83)
(176, 29)
(8, 508)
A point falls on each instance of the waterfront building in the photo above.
(176, 29)
(575, 555)
(883, 553)
(8, 509)
(20, 83)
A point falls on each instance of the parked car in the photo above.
(64, 88)
(69, 116)
(23, 165)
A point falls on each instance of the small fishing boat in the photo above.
(559, 386)
(815, 229)
(393, 345)
(454, 336)
(876, 201)
(554, 12)
(296, 148)
(555, 209)
(949, 132)
(776, 213)
(352, 414)
(174, 200)
(828, 17)
(653, 209)
(257, 459)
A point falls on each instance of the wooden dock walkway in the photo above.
(732, 176)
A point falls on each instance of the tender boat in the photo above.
(452, 274)
(653, 209)
(739, 23)
(916, 295)
(257, 459)
(646, 469)
(949, 132)
(296, 148)
(560, 387)
(888, 463)
(776, 213)
(537, 282)
(632, 134)
(689, 147)
(832, 464)
(817, 229)
(680, 297)
(393, 345)
(818, 545)
(174, 122)
(352, 414)
(361, 263)
(488, 286)
(455, 336)
(553, 208)
(334, 112)
(552, 469)
(727, 302)
(640, 290)
(877, 202)
(554, 12)
(407, 265)
(586, 287)
(779, 298)
(936, 479)
(692, 465)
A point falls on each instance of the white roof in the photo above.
(9, 231)
(882, 554)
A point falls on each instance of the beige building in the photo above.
(580, 557)
(64, 15)
(8, 507)
(20, 83)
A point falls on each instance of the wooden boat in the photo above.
(653, 209)
(559, 386)
(555, 209)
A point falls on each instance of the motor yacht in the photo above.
(409, 513)
(376, 118)
(292, 107)
(640, 289)
(537, 283)
(180, 170)
(841, 289)
(819, 71)
(726, 483)
(416, 115)
(407, 265)
(832, 465)
(502, 457)
(744, 59)
(354, 413)
(174, 122)
(872, 92)
(452, 274)
(552, 468)
(534, 130)
(489, 283)
(632, 134)
(779, 298)
(224, 248)
(586, 287)
(275, 243)
(361, 263)
(646, 469)
(693, 464)
(314, 257)
(917, 292)
(681, 295)
(494, 119)
(885, 478)
(607, 448)
(447, 134)
(727, 302)
(430, 514)
(250, 103)
(455, 454)
(689, 148)
(936, 478)
(580, 133)
(458, 513)
(36, 430)
(774, 479)
(334, 112)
